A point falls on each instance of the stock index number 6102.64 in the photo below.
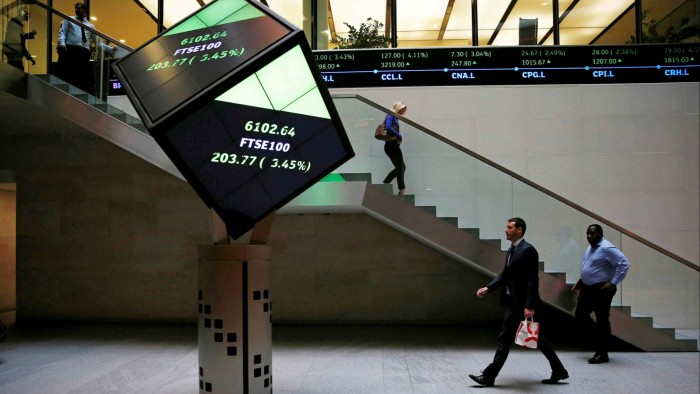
(269, 128)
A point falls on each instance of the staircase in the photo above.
(465, 245)
(420, 222)
(99, 117)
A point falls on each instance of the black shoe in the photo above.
(483, 380)
(556, 377)
(599, 358)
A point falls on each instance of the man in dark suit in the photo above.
(519, 283)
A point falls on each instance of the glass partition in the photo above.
(670, 21)
(123, 20)
(527, 23)
(590, 19)
(94, 76)
(459, 29)
(37, 46)
(418, 24)
(483, 195)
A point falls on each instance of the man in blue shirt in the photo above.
(73, 49)
(604, 267)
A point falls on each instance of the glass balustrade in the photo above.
(482, 195)
(43, 47)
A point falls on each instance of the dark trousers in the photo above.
(593, 299)
(74, 67)
(393, 150)
(511, 321)
(18, 64)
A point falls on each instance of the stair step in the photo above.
(140, 127)
(84, 97)
(625, 309)
(70, 89)
(108, 109)
(409, 198)
(670, 332)
(430, 209)
(132, 120)
(365, 177)
(385, 187)
(44, 77)
(644, 319)
(451, 220)
(494, 242)
(473, 231)
(50, 79)
(690, 343)
(559, 275)
(122, 117)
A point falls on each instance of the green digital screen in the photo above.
(233, 96)
(259, 144)
(173, 67)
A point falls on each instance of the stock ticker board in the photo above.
(524, 65)
(232, 96)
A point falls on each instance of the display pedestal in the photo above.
(235, 321)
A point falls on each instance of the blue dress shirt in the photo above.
(72, 34)
(604, 263)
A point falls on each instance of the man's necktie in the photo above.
(82, 33)
(510, 254)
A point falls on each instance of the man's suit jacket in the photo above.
(520, 277)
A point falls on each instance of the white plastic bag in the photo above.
(528, 333)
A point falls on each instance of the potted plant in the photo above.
(366, 36)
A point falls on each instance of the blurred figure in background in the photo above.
(393, 148)
(15, 45)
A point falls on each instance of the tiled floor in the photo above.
(164, 359)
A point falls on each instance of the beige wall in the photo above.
(351, 268)
(102, 235)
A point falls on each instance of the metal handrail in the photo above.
(526, 181)
(86, 27)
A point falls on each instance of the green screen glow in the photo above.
(218, 13)
(285, 84)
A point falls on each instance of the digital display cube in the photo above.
(233, 96)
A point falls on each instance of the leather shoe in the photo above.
(599, 359)
(483, 380)
(556, 377)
